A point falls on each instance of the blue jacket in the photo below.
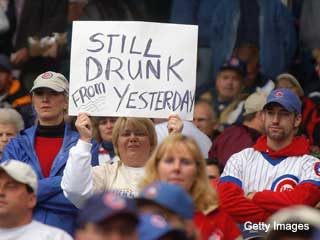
(52, 207)
(278, 38)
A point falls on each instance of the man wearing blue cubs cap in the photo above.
(108, 216)
(286, 98)
(277, 171)
(234, 64)
(227, 91)
(170, 201)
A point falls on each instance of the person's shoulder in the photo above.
(250, 151)
(44, 232)
(309, 158)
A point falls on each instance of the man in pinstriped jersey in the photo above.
(277, 171)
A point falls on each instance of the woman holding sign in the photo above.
(134, 139)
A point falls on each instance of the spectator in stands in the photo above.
(10, 124)
(267, 24)
(134, 139)
(108, 216)
(102, 132)
(213, 168)
(18, 190)
(312, 86)
(178, 160)
(6, 33)
(277, 171)
(13, 94)
(39, 20)
(240, 136)
(205, 119)
(255, 81)
(170, 201)
(45, 146)
(229, 84)
(287, 80)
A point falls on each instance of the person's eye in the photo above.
(140, 134)
(38, 93)
(11, 185)
(125, 134)
(284, 113)
(186, 161)
(168, 160)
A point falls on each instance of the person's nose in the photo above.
(132, 137)
(177, 165)
(45, 97)
(275, 118)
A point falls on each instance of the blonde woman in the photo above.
(178, 160)
(134, 139)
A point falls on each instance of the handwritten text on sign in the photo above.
(134, 69)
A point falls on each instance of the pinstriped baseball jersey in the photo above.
(254, 171)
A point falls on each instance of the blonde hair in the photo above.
(144, 124)
(203, 195)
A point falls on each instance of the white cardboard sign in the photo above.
(134, 69)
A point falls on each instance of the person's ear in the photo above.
(297, 120)
(32, 200)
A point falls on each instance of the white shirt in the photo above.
(34, 231)
(254, 172)
(80, 180)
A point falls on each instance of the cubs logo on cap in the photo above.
(234, 64)
(158, 221)
(47, 75)
(52, 80)
(151, 192)
(286, 98)
(278, 94)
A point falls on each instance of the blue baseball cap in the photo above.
(234, 64)
(286, 98)
(154, 227)
(102, 206)
(5, 64)
(169, 196)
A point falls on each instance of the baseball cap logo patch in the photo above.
(151, 192)
(234, 62)
(158, 221)
(278, 94)
(114, 201)
(47, 75)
